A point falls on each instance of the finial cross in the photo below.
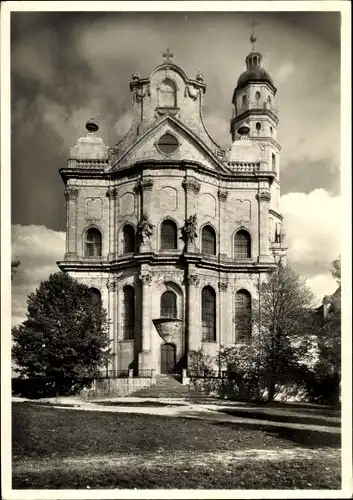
(253, 25)
(168, 55)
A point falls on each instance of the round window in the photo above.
(167, 144)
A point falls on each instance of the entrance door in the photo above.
(167, 358)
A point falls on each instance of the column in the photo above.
(112, 195)
(222, 198)
(263, 197)
(192, 189)
(144, 187)
(112, 289)
(193, 312)
(146, 320)
(223, 312)
(71, 195)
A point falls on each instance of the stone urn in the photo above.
(168, 328)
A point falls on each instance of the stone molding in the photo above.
(71, 193)
(193, 280)
(264, 196)
(191, 185)
(144, 185)
(146, 279)
(222, 195)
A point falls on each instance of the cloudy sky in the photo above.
(67, 67)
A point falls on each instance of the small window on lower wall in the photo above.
(96, 298)
(128, 318)
(242, 316)
(208, 314)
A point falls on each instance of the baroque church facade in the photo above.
(172, 232)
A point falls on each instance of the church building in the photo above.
(172, 232)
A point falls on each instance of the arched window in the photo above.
(258, 126)
(243, 100)
(96, 298)
(257, 95)
(168, 305)
(128, 239)
(167, 94)
(273, 162)
(208, 314)
(93, 243)
(242, 315)
(168, 235)
(242, 245)
(208, 240)
(128, 322)
(269, 100)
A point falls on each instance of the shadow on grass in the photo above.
(285, 417)
(301, 437)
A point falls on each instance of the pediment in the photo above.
(150, 146)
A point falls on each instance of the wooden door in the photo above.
(167, 358)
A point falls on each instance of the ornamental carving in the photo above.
(112, 192)
(191, 92)
(71, 193)
(222, 286)
(264, 196)
(191, 185)
(189, 231)
(144, 184)
(112, 286)
(93, 208)
(146, 279)
(222, 195)
(193, 280)
(145, 229)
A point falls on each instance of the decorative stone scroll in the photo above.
(112, 192)
(222, 286)
(263, 196)
(191, 185)
(146, 279)
(71, 192)
(222, 195)
(193, 280)
(144, 184)
(112, 286)
(191, 92)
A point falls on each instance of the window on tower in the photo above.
(208, 240)
(273, 162)
(269, 100)
(169, 236)
(167, 94)
(258, 126)
(168, 305)
(208, 314)
(242, 316)
(93, 243)
(128, 319)
(257, 96)
(242, 245)
(243, 100)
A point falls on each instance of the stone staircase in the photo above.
(168, 387)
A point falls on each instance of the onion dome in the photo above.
(254, 72)
(90, 147)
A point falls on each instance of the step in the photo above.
(167, 387)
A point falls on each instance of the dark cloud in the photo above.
(69, 66)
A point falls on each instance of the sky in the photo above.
(67, 67)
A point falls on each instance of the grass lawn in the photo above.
(61, 448)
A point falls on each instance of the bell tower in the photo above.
(254, 103)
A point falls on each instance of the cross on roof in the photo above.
(168, 55)
(253, 25)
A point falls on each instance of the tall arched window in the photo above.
(269, 100)
(168, 305)
(128, 322)
(93, 243)
(208, 240)
(257, 95)
(128, 239)
(96, 298)
(167, 96)
(242, 315)
(242, 245)
(208, 314)
(169, 235)
(243, 100)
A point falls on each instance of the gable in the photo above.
(168, 140)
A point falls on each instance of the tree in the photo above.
(336, 269)
(280, 321)
(14, 266)
(64, 341)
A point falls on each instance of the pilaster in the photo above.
(112, 195)
(145, 356)
(193, 311)
(71, 195)
(112, 315)
(263, 197)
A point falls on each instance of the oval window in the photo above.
(258, 126)
(167, 144)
